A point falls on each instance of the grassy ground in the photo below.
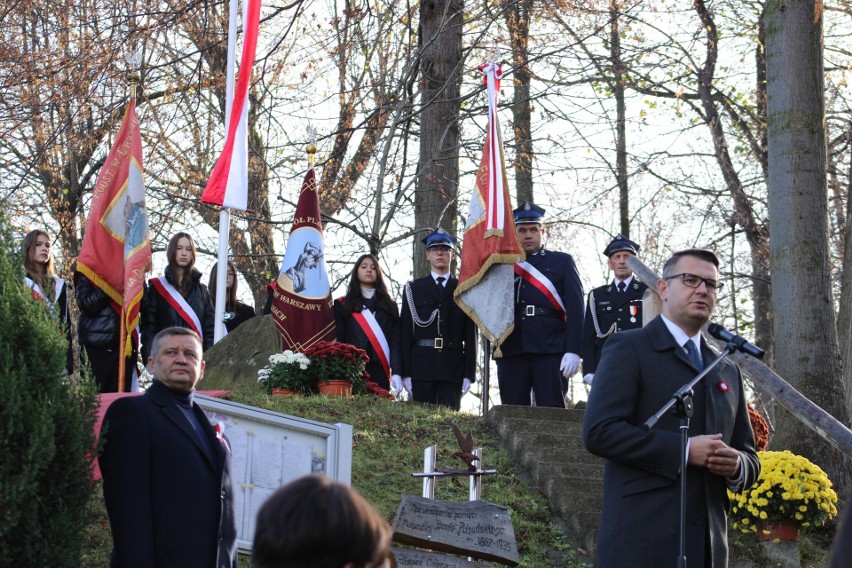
(388, 443)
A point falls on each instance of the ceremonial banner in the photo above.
(301, 301)
(490, 247)
(116, 252)
(228, 184)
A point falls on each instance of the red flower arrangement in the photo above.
(331, 360)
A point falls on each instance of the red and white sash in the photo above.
(38, 293)
(532, 275)
(374, 333)
(177, 302)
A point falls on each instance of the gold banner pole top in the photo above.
(134, 64)
(312, 145)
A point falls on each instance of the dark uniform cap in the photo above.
(439, 237)
(528, 213)
(620, 242)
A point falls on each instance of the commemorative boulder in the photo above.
(234, 361)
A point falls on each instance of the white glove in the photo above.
(396, 383)
(465, 386)
(588, 378)
(406, 384)
(570, 364)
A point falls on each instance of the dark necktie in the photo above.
(440, 281)
(621, 286)
(692, 351)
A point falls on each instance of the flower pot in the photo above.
(782, 530)
(335, 388)
(283, 392)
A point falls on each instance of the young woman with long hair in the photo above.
(236, 312)
(178, 298)
(43, 282)
(368, 318)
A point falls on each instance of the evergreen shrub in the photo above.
(47, 439)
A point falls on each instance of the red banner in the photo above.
(302, 306)
(116, 252)
(490, 247)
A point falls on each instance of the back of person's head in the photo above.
(315, 522)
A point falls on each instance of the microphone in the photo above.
(740, 343)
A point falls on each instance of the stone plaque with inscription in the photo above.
(406, 557)
(469, 528)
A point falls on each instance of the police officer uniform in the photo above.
(543, 334)
(437, 339)
(611, 308)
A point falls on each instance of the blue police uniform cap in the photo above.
(439, 237)
(528, 213)
(620, 242)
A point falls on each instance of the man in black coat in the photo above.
(639, 372)
(166, 471)
(611, 308)
(437, 339)
(543, 350)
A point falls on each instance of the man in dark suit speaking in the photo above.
(166, 471)
(639, 371)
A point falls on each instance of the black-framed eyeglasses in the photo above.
(694, 281)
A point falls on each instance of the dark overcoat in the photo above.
(170, 500)
(456, 360)
(639, 371)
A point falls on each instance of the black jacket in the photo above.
(349, 331)
(242, 313)
(99, 323)
(456, 359)
(158, 314)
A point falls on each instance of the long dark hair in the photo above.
(182, 276)
(40, 274)
(353, 300)
(230, 293)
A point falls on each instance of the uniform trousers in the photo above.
(537, 372)
(437, 392)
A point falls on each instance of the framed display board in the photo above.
(269, 450)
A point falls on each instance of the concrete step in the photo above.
(548, 444)
(508, 412)
(588, 471)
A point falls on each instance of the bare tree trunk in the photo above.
(436, 195)
(756, 233)
(517, 16)
(617, 85)
(844, 321)
(801, 292)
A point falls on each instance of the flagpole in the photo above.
(133, 78)
(224, 213)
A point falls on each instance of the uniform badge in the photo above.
(634, 310)
(723, 386)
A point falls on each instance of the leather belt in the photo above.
(438, 343)
(536, 311)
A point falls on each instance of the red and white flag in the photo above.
(116, 252)
(228, 184)
(490, 248)
(302, 307)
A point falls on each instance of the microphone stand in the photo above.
(682, 399)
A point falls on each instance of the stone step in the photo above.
(508, 412)
(545, 441)
(566, 498)
(592, 472)
(508, 427)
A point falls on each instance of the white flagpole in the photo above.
(224, 214)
